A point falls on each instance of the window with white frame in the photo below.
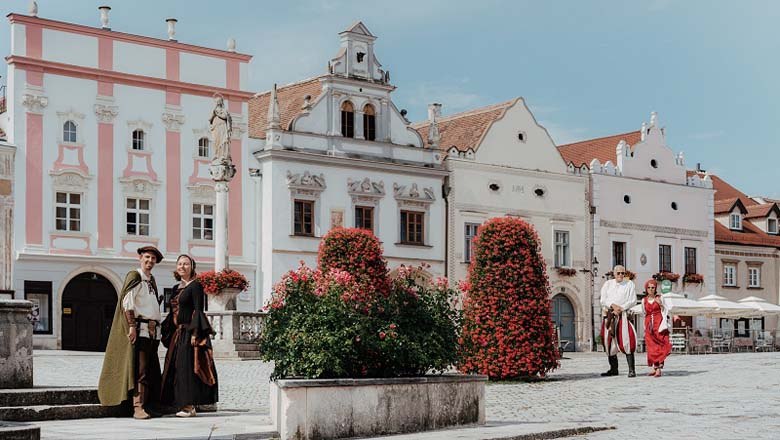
(735, 221)
(203, 147)
(67, 211)
(469, 233)
(729, 274)
(754, 276)
(138, 139)
(690, 260)
(771, 225)
(664, 258)
(202, 221)
(618, 253)
(137, 216)
(69, 131)
(562, 258)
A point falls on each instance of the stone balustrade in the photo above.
(237, 333)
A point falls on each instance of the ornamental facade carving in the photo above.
(411, 195)
(70, 181)
(305, 183)
(173, 120)
(34, 103)
(366, 190)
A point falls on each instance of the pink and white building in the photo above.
(111, 132)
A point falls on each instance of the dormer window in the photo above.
(347, 119)
(735, 221)
(369, 122)
(771, 225)
(69, 132)
(360, 56)
(138, 139)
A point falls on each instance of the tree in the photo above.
(508, 332)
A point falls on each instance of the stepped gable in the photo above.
(291, 98)
(603, 148)
(465, 130)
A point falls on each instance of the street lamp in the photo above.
(594, 272)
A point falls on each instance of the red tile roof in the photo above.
(602, 148)
(727, 205)
(290, 98)
(465, 130)
(750, 235)
(760, 211)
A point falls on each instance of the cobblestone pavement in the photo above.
(707, 397)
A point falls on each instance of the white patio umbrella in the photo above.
(760, 306)
(722, 307)
(678, 305)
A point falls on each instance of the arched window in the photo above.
(203, 147)
(369, 122)
(69, 132)
(138, 139)
(347, 119)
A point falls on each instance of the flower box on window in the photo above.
(567, 271)
(693, 278)
(671, 276)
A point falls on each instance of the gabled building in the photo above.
(648, 214)
(335, 151)
(503, 163)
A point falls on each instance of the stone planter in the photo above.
(16, 344)
(226, 300)
(340, 408)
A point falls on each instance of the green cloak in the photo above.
(118, 375)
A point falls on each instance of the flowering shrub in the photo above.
(508, 332)
(566, 271)
(671, 276)
(213, 282)
(335, 322)
(693, 278)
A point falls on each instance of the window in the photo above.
(690, 260)
(69, 132)
(735, 221)
(412, 227)
(771, 225)
(303, 221)
(68, 212)
(468, 246)
(202, 222)
(138, 139)
(562, 249)
(347, 119)
(664, 258)
(137, 217)
(369, 123)
(754, 277)
(364, 217)
(618, 253)
(203, 147)
(729, 275)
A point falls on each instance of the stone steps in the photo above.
(36, 404)
(47, 396)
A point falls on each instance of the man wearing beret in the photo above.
(131, 368)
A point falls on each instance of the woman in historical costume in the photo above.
(189, 376)
(656, 328)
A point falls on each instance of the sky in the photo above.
(586, 69)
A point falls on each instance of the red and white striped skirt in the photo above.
(622, 336)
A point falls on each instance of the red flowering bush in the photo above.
(213, 282)
(508, 332)
(349, 319)
(693, 278)
(671, 276)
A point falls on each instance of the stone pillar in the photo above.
(220, 227)
(6, 215)
(16, 347)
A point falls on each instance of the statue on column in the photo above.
(221, 126)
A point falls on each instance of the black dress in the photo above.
(189, 377)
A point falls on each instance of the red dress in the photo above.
(657, 343)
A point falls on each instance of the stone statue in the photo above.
(221, 131)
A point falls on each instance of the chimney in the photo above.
(104, 17)
(434, 111)
(231, 44)
(171, 28)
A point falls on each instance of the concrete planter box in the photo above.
(339, 408)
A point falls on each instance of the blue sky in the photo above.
(586, 68)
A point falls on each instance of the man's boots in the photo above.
(138, 404)
(613, 366)
(631, 370)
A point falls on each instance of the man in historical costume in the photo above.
(617, 333)
(131, 367)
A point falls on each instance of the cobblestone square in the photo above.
(708, 397)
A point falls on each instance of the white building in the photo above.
(503, 163)
(111, 131)
(648, 215)
(335, 151)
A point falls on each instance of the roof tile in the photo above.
(603, 149)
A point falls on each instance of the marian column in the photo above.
(222, 171)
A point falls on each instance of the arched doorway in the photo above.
(88, 304)
(563, 315)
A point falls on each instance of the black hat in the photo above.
(151, 250)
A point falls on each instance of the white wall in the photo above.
(70, 48)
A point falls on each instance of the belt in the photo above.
(146, 320)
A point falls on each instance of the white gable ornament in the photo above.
(366, 190)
